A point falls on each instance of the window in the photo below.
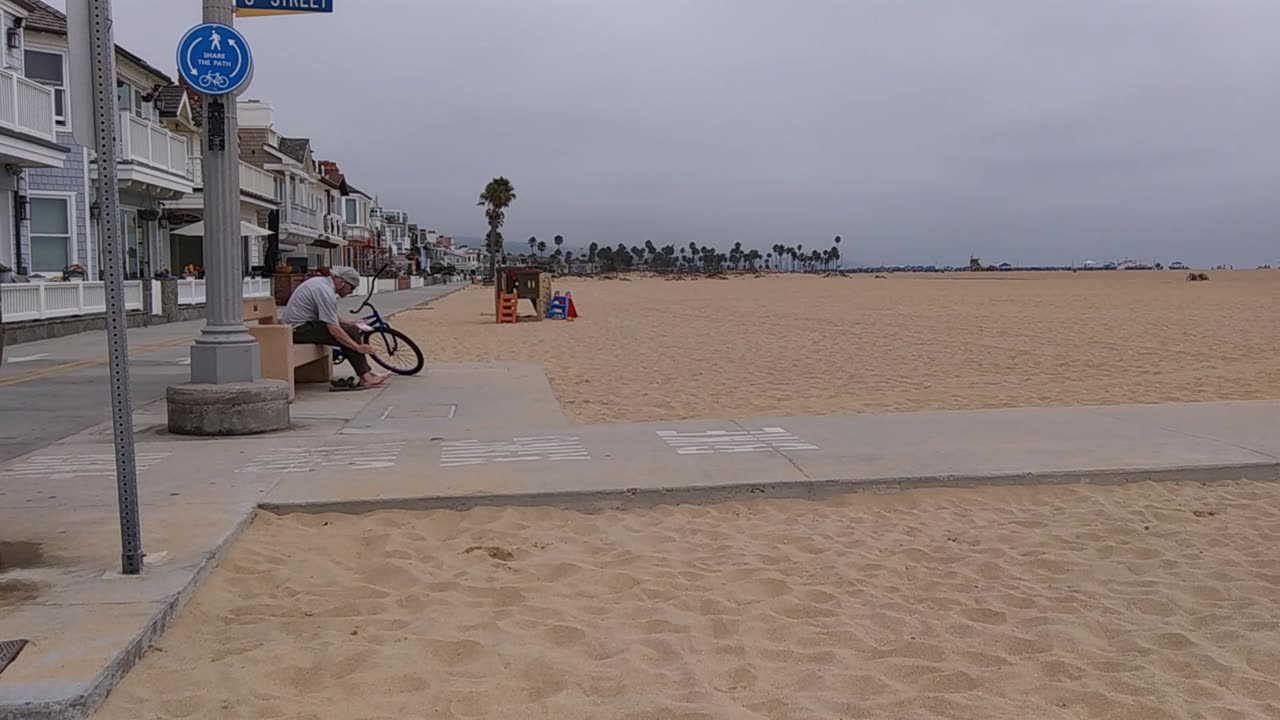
(129, 99)
(352, 214)
(50, 234)
(293, 190)
(49, 69)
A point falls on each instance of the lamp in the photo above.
(24, 208)
(13, 35)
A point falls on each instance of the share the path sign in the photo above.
(249, 8)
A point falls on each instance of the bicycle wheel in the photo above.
(394, 351)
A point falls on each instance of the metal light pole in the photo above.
(103, 63)
(225, 352)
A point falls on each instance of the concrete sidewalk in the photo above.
(466, 435)
(52, 389)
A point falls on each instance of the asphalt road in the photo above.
(52, 389)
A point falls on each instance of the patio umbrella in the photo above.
(246, 230)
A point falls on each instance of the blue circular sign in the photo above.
(214, 59)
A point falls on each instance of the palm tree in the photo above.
(533, 244)
(496, 198)
(542, 248)
(768, 259)
(558, 240)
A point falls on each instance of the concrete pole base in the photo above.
(230, 409)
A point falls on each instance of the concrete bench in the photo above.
(281, 359)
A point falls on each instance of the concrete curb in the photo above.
(629, 498)
(84, 703)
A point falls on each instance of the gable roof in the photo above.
(45, 18)
(296, 148)
(169, 100)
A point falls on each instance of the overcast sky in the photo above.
(920, 131)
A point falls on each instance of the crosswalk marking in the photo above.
(517, 450)
(60, 467)
(354, 457)
(733, 441)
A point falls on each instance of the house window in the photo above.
(352, 214)
(50, 234)
(49, 69)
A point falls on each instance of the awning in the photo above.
(246, 230)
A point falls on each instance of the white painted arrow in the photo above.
(28, 358)
(239, 55)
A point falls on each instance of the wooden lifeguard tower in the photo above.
(525, 283)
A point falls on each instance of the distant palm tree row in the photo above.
(693, 258)
(499, 194)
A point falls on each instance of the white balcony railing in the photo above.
(252, 180)
(192, 292)
(357, 234)
(43, 300)
(26, 106)
(149, 144)
(334, 226)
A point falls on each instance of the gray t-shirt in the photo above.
(314, 300)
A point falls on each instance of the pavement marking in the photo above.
(61, 467)
(457, 453)
(182, 361)
(27, 358)
(733, 441)
(354, 457)
(79, 364)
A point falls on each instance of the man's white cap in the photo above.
(348, 275)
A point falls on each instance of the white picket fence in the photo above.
(45, 300)
(192, 292)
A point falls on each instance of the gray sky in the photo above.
(920, 131)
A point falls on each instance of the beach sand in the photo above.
(1140, 602)
(653, 349)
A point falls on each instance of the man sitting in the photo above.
(313, 313)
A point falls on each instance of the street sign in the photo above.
(214, 59)
(250, 8)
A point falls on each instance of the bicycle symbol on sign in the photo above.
(215, 79)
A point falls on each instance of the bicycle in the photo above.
(216, 79)
(392, 349)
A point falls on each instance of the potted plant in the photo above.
(6, 273)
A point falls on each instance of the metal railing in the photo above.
(44, 300)
(149, 144)
(192, 292)
(26, 106)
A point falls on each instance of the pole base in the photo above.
(231, 409)
(225, 363)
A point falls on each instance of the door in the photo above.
(133, 233)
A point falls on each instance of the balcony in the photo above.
(26, 111)
(334, 226)
(357, 235)
(257, 186)
(152, 160)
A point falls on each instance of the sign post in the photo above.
(250, 8)
(90, 39)
(216, 60)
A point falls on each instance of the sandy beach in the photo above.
(1140, 602)
(652, 349)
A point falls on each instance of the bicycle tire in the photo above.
(399, 339)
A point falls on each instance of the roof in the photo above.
(337, 182)
(45, 18)
(169, 100)
(295, 148)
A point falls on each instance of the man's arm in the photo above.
(328, 312)
(345, 340)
